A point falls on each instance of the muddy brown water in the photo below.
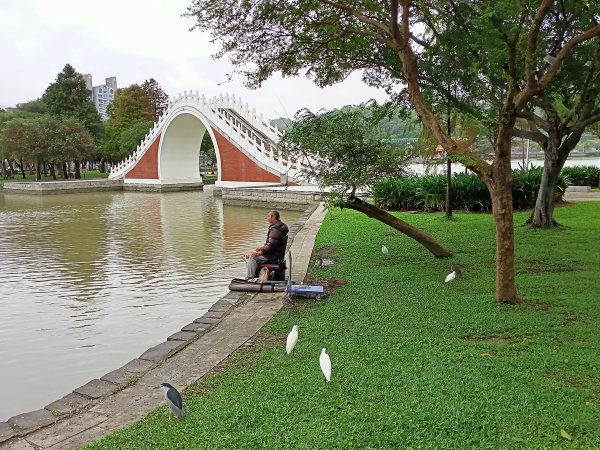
(90, 281)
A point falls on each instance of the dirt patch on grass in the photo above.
(587, 383)
(494, 339)
(241, 358)
(540, 305)
(326, 252)
(572, 319)
(546, 266)
(322, 257)
(329, 284)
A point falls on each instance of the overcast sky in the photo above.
(135, 40)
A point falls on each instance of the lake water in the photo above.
(90, 281)
(439, 168)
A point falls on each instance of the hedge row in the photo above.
(582, 176)
(428, 193)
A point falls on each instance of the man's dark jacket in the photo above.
(275, 240)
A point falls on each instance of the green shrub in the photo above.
(583, 175)
(469, 192)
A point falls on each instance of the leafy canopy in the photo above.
(69, 97)
(159, 100)
(46, 138)
(345, 148)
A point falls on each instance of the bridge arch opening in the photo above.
(179, 153)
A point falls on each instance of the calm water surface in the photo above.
(90, 281)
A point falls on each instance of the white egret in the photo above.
(451, 276)
(456, 271)
(325, 363)
(384, 249)
(292, 338)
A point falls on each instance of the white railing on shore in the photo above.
(217, 111)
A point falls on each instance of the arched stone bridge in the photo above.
(245, 147)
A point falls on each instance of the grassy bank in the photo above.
(417, 363)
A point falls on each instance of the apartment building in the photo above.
(102, 95)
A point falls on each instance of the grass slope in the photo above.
(417, 363)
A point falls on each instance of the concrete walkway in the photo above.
(582, 196)
(129, 403)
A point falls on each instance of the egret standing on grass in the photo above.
(291, 340)
(325, 363)
(384, 249)
(456, 271)
(173, 399)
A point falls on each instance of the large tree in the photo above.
(557, 118)
(47, 139)
(69, 97)
(130, 117)
(159, 99)
(130, 105)
(27, 110)
(346, 151)
(494, 51)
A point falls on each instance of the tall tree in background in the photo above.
(68, 97)
(494, 50)
(27, 110)
(130, 105)
(207, 148)
(47, 139)
(130, 117)
(158, 97)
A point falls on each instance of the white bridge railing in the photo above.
(241, 125)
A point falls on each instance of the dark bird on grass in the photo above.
(456, 272)
(173, 399)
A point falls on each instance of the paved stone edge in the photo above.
(86, 396)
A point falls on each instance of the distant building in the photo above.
(102, 95)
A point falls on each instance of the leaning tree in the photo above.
(346, 151)
(495, 48)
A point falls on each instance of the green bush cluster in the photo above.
(469, 193)
(583, 176)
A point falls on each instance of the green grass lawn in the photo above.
(417, 363)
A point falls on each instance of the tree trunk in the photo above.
(38, 170)
(77, 170)
(449, 188)
(102, 166)
(555, 155)
(420, 236)
(543, 213)
(65, 171)
(52, 171)
(22, 169)
(502, 201)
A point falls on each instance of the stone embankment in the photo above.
(276, 196)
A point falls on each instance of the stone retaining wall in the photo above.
(271, 197)
(62, 187)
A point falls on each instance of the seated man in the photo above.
(273, 246)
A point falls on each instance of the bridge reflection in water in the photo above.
(91, 281)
